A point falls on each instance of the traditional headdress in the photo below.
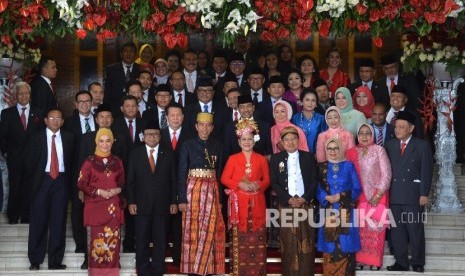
(245, 126)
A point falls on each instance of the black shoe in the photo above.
(13, 221)
(57, 267)
(79, 250)
(129, 249)
(24, 221)
(34, 267)
(358, 267)
(375, 268)
(85, 264)
(418, 268)
(396, 267)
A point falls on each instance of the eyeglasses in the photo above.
(151, 134)
(237, 63)
(84, 101)
(204, 91)
(332, 149)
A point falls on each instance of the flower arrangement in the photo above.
(174, 20)
(445, 45)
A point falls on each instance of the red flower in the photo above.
(24, 12)
(286, 14)
(170, 40)
(158, 17)
(1, 21)
(168, 3)
(302, 33)
(258, 4)
(173, 18)
(448, 6)
(81, 33)
(307, 5)
(148, 25)
(378, 42)
(270, 25)
(350, 23)
(6, 39)
(3, 5)
(282, 32)
(375, 15)
(190, 18)
(45, 13)
(89, 24)
(361, 8)
(182, 40)
(323, 27)
(267, 36)
(363, 26)
(100, 19)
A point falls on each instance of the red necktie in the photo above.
(131, 130)
(180, 98)
(403, 145)
(152, 160)
(236, 117)
(23, 118)
(392, 84)
(54, 170)
(174, 141)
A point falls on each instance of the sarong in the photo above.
(338, 263)
(104, 249)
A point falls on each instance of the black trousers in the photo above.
(77, 221)
(129, 234)
(18, 198)
(175, 229)
(409, 231)
(150, 228)
(48, 213)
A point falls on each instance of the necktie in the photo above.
(54, 170)
(403, 145)
(23, 118)
(205, 108)
(152, 161)
(180, 98)
(51, 87)
(131, 130)
(190, 83)
(236, 116)
(379, 137)
(86, 125)
(255, 97)
(392, 84)
(128, 73)
(365, 84)
(394, 118)
(163, 122)
(174, 141)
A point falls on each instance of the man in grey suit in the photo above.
(412, 172)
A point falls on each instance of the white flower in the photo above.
(413, 46)
(252, 17)
(235, 15)
(402, 59)
(232, 28)
(436, 45)
(256, 138)
(246, 2)
(430, 57)
(422, 57)
(219, 3)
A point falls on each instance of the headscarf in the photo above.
(139, 60)
(372, 141)
(101, 132)
(341, 153)
(346, 93)
(280, 126)
(335, 108)
(367, 109)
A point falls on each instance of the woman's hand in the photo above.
(333, 198)
(374, 200)
(244, 186)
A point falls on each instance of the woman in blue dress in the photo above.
(337, 192)
(311, 122)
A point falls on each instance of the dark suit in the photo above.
(381, 91)
(49, 199)
(389, 129)
(219, 119)
(115, 84)
(73, 125)
(265, 109)
(379, 97)
(189, 98)
(195, 80)
(279, 176)
(411, 178)
(263, 146)
(42, 96)
(151, 115)
(13, 139)
(152, 193)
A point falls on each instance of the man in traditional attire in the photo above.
(200, 165)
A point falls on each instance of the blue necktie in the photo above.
(205, 108)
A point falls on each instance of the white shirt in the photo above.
(220, 75)
(178, 132)
(295, 182)
(160, 112)
(125, 67)
(259, 96)
(183, 96)
(142, 106)
(48, 81)
(391, 114)
(155, 152)
(238, 114)
(146, 95)
(26, 111)
(209, 104)
(388, 83)
(133, 127)
(58, 147)
(239, 79)
(193, 77)
(82, 118)
(368, 84)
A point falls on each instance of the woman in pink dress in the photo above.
(374, 170)
(333, 119)
(333, 76)
(282, 113)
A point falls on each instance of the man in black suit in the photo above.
(232, 97)
(152, 196)
(246, 109)
(148, 100)
(178, 84)
(96, 90)
(366, 72)
(205, 104)
(228, 82)
(256, 80)
(324, 97)
(130, 127)
(237, 67)
(118, 74)
(275, 92)
(383, 131)
(48, 160)
(79, 123)
(18, 123)
(43, 96)
(192, 76)
(412, 171)
(173, 137)
(393, 78)
(158, 114)
(398, 102)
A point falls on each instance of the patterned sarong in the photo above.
(104, 249)
(203, 240)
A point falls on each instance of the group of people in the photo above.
(188, 150)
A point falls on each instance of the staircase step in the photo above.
(445, 233)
